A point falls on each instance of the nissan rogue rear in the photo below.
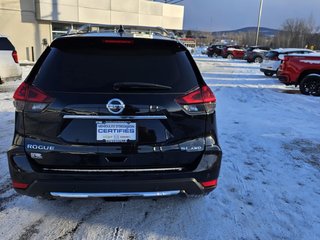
(114, 115)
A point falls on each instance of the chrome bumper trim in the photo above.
(115, 194)
(158, 117)
(114, 170)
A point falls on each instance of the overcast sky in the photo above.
(216, 15)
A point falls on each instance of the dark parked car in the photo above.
(256, 54)
(214, 50)
(113, 115)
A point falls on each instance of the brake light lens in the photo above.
(20, 185)
(212, 183)
(198, 102)
(118, 41)
(28, 97)
(15, 56)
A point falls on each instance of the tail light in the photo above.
(198, 102)
(212, 183)
(30, 98)
(15, 56)
(118, 41)
(282, 65)
(286, 58)
(20, 185)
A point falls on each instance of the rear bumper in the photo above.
(284, 78)
(103, 184)
(117, 188)
(268, 70)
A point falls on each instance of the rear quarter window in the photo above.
(5, 44)
(96, 70)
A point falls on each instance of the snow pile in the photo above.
(235, 49)
(259, 51)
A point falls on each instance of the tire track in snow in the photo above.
(117, 233)
(71, 232)
(31, 230)
(5, 186)
(7, 200)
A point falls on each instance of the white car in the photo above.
(9, 65)
(273, 59)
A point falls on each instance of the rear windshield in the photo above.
(96, 70)
(272, 54)
(5, 44)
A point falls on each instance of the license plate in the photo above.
(116, 131)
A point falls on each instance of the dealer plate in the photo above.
(116, 131)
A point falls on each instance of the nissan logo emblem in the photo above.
(115, 106)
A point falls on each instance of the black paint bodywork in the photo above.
(66, 145)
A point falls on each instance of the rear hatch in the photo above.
(272, 55)
(112, 104)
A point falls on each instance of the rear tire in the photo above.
(258, 60)
(230, 56)
(310, 85)
(268, 74)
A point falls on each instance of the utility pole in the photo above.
(259, 22)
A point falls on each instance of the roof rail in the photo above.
(94, 28)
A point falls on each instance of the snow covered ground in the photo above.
(269, 186)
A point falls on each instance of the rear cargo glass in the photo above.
(272, 54)
(97, 69)
(5, 44)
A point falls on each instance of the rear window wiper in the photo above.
(139, 86)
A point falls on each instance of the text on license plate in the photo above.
(116, 131)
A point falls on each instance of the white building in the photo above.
(32, 24)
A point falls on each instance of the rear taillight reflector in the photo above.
(199, 101)
(207, 95)
(37, 100)
(20, 185)
(15, 56)
(200, 95)
(29, 93)
(21, 92)
(211, 183)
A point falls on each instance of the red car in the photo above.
(233, 52)
(302, 70)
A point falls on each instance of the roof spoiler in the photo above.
(121, 29)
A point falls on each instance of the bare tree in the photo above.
(296, 33)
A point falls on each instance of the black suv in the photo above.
(114, 114)
(214, 50)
